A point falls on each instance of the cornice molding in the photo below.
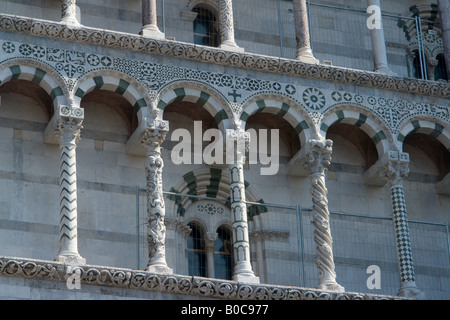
(248, 61)
(44, 270)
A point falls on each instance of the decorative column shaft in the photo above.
(444, 13)
(69, 12)
(226, 26)
(242, 266)
(210, 238)
(397, 167)
(150, 20)
(375, 25)
(318, 158)
(154, 134)
(68, 130)
(304, 51)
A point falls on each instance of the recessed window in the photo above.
(417, 67)
(223, 254)
(441, 69)
(205, 32)
(196, 252)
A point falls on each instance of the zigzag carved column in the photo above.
(318, 158)
(397, 167)
(154, 134)
(68, 131)
(236, 158)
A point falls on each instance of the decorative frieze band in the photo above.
(170, 284)
(60, 31)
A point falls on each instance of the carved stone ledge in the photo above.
(207, 288)
(181, 50)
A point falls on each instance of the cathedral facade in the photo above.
(224, 149)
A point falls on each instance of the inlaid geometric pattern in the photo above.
(68, 194)
(402, 235)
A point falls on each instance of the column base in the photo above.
(411, 292)
(306, 56)
(332, 286)
(73, 22)
(246, 278)
(385, 71)
(70, 258)
(159, 269)
(150, 31)
(231, 46)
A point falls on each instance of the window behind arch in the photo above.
(441, 69)
(416, 66)
(205, 32)
(196, 252)
(223, 264)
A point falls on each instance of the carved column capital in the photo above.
(396, 167)
(210, 238)
(237, 145)
(69, 124)
(155, 132)
(318, 155)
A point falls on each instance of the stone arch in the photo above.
(39, 73)
(212, 183)
(363, 119)
(433, 128)
(128, 87)
(202, 95)
(210, 4)
(283, 107)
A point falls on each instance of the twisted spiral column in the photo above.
(154, 135)
(241, 246)
(68, 130)
(318, 159)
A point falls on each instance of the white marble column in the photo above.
(68, 131)
(150, 21)
(69, 12)
(397, 167)
(154, 134)
(241, 248)
(210, 239)
(318, 158)
(226, 26)
(444, 14)
(375, 25)
(304, 51)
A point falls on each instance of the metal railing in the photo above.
(283, 249)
